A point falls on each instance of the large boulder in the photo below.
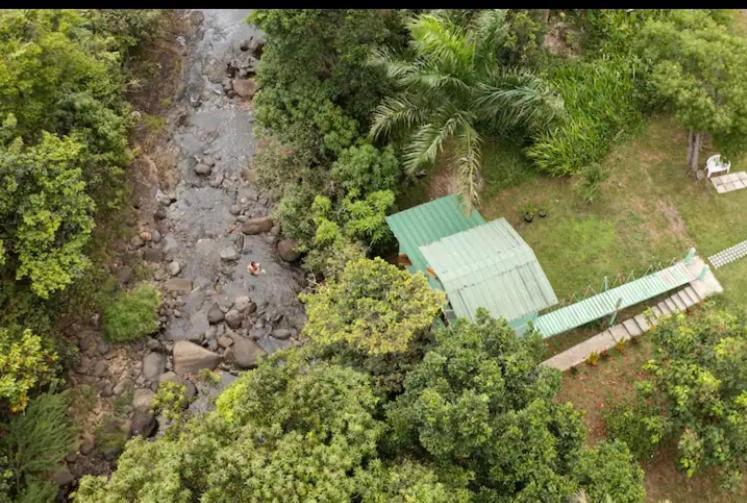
(154, 365)
(245, 88)
(142, 398)
(244, 304)
(257, 225)
(62, 475)
(287, 250)
(246, 352)
(215, 315)
(143, 423)
(189, 358)
(229, 254)
(233, 318)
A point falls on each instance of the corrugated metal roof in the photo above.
(427, 223)
(605, 303)
(490, 266)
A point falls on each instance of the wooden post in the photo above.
(617, 308)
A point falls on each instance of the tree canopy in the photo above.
(373, 307)
(698, 389)
(698, 68)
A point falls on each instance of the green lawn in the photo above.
(647, 212)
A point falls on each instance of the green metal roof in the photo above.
(490, 266)
(605, 303)
(427, 223)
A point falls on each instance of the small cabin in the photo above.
(476, 263)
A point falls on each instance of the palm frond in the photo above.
(441, 43)
(468, 166)
(429, 80)
(396, 114)
(517, 98)
(428, 141)
(489, 30)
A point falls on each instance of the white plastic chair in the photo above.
(714, 165)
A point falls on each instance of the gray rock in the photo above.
(244, 304)
(215, 315)
(235, 209)
(122, 386)
(189, 358)
(87, 444)
(162, 198)
(153, 254)
(212, 345)
(143, 423)
(62, 476)
(154, 365)
(229, 254)
(174, 267)
(160, 213)
(195, 337)
(257, 225)
(170, 245)
(225, 341)
(245, 88)
(103, 347)
(101, 368)
(124, 274)
(283, 333)
(153, 344)
(156, 236)
(203, 169)
(136, 242)
(246, 352)
(180, 285)
(287, 250)
(233, 318)
(106, 389)
(168, 377)
(142, 398)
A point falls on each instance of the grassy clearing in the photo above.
(648, 211)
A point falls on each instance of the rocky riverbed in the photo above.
(201, 221)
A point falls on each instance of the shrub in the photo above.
(35, 442)
(373, 307)
(620, 346)
(24, 365)
(592, 177)
(601, 103)
(592, 359)
(132, 315)
(636, 424)
(364, 168)
(171, 400)
(699, 372)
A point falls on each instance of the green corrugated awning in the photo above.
(490, 266)
(615, 299)
(427, 223)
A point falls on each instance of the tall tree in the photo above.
(455, 89)
(480, 405)
(698, 68)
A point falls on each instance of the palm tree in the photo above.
(454, 89)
